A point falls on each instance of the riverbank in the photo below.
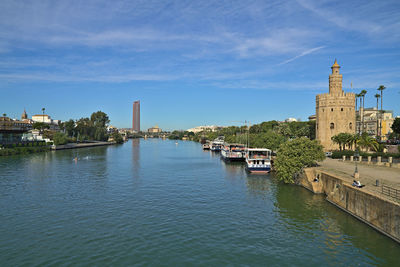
(368, 204)
(81, 145)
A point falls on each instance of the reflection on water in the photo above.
(152, 202)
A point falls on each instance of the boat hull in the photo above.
(260, 170)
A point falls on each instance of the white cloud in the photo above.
(302, 54)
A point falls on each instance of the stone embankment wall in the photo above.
(81, 145)
(380, 213)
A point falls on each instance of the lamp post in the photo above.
(356, 155)
(43, 109)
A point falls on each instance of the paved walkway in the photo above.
(368, 174)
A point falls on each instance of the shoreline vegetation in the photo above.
(293, 143)
(24, 148)
(84, 130)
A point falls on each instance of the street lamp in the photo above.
(356, 155)
(43, 109)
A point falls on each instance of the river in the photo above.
(154, 202)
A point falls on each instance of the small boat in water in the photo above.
(217, 144)
(233, 152)
(206, 145)
(258, 160)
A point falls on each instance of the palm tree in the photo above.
(363, 93)
(336, 140)
(381, 88)
(377, 96)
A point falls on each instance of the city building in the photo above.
(375, 122)
(211, 128)
(11, 131)
(45, 118)
(290, 120)
(154, 129)
(335, 111)
(136, 116)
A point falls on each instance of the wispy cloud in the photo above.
(307, 52)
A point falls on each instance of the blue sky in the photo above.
(192, 63)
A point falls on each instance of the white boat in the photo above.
(258, 160)
(233, 152)
(217, 144)
(206, 146)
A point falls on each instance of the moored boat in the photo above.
(206, 145)
(233, 152)
(258, 160)
(217, 144)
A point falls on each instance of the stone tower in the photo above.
(335, 111)
(24, 116)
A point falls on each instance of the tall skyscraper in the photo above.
(136, 116)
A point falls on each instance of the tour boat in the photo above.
(233, 152)
(258, 160)
(217, 144)
(206, 146)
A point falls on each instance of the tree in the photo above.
(363, 93)
(296, 154)
(381, 88)
(4, 115)
(377, 96)
(40, 125)
(366, 142)
(117, 137)
(396, 126)
(60, 139)
(69, 127)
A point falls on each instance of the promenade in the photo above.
(368, 174)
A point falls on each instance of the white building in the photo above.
(290, 120)
(211, 128)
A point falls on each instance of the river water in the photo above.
(154, 202)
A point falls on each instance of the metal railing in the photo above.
(391, 192)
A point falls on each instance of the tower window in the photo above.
(332, 126)
(351, 126)
(331, 109)
(341, 109)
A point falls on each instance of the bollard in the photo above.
(360, 158)
(390, 160)
(351, 158)
(344, 158)
(379, 159)
(369, 159)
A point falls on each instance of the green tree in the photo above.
(99, 119)
(60, 138)
(365, 142)
(69, 127)
(117, 137)
(381, 88)
(40, 126)
(396, 126)
(296, 154)
(363, 93)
